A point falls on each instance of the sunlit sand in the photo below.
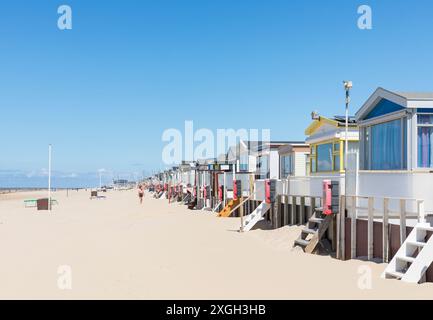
(118, 249)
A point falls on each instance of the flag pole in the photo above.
(49, 177)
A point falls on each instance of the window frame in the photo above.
(366, 147)
(421, 125)
(282, 165)
(335, 152)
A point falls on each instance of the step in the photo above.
(302, 242)
(395, 274)
(315, 220)
(416, 243)
(308, 230)
(425, 228)
(406, 259)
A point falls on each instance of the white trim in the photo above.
(420, 104)
(353, 135)
(374, 99)
(384, 118)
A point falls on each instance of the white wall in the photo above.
(252, 163)
(274, 164)
(300, 159)
(398, 184)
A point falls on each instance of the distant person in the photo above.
(140, 193)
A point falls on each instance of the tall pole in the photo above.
(100, 179)
(347, 87)
(49, 177)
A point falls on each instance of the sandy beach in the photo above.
(118, 249)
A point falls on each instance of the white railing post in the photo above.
(421, 212)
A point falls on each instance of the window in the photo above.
(425, 140)
(286, 166)
(325, 157)
(313, 159)
(384, 146)
(336, 156)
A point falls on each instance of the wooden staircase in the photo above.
(414, 256)
(228, 208)
(312, 234)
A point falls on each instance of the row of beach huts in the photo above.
(373, 203)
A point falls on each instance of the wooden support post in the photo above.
(353, 228)
(385, 237)
(293, 211)
(241, 213)
(286, 210)
(278, 211)
(343, 227)
(338, 224)
(274, 216)
(402, 221)
(312, 207)
(302, 210)
(370, 230)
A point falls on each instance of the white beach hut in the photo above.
(396, 146)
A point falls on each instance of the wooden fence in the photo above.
(355, 211)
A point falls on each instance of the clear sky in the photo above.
(103, 92)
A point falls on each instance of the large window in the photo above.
(286, 165)
(425, 140)
(325, 157)
(384, 146)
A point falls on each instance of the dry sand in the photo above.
(117, 249)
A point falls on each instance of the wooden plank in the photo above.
(293, 211)
(278, 211)
(286, 210)
(385, 237)
(370, 228)
(311, 247)
(338, 224)
(312, 207)
(402, 221)
(343, 228)
(353, 227)
(302, 210)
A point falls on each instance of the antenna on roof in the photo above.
(315, 115)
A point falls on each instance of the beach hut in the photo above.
(294, 159)
(396, 145)
(241, 158)
(389, 215)
(326, 138)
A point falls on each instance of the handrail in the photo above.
(242, 202)
(380, 213)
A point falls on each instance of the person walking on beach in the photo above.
(140, 193)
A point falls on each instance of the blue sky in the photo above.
(103, 92)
